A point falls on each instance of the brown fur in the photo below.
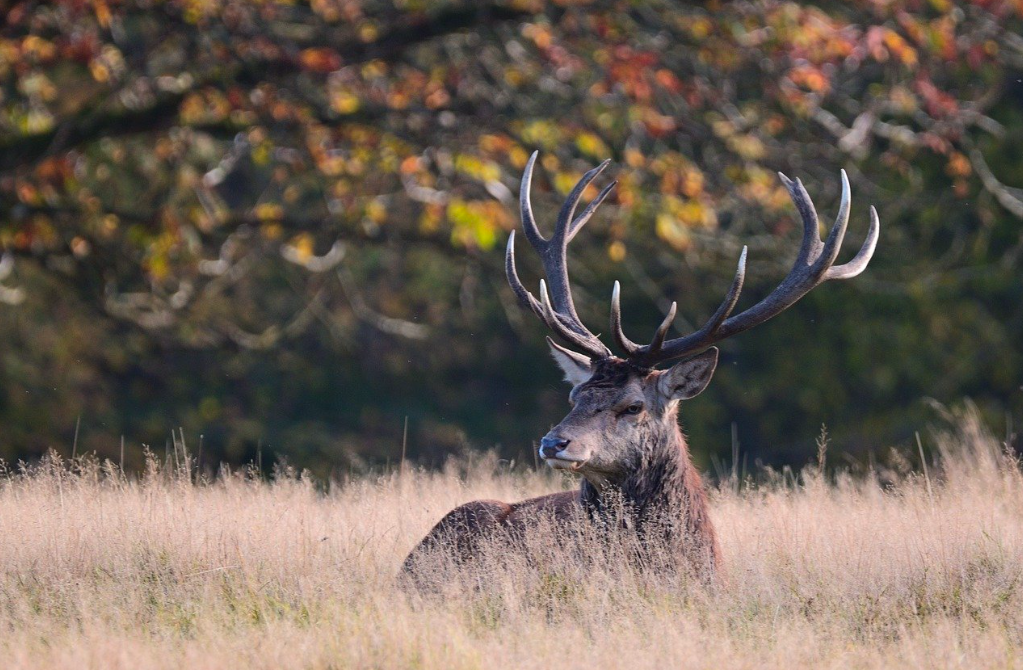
(646, 484)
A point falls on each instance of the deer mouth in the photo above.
(564, 463)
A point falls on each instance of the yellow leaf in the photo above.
(673, 232)
(99, 71)
(518, 157)
(268, 211)
(303, 245)
(368, 32)
(158, 266)
(477, 168)
(634, 158)
(542, 133)
(591, 145)
(109, 224)
(261, 154)
(376, 211)
(102, 13)
(271, 231)
(747, 146)
(473, 223)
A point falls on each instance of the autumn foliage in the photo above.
(222, 210)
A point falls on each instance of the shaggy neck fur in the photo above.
(661, 498)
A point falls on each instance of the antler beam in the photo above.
(814, 265)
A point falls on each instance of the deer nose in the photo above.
(550, 446)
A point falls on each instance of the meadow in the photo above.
(822, 569)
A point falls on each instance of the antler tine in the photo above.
(526, 207)
(837, 234)
(813, 266)
(859, 262)
(628, 346)
(588, 342)
(555, 252)
(525, 297)
(731, 298)
(564, 220)
(553, 320)
(662, 330)
(810, 247)
(656, 351)
(584, 218)
(575, 356)
(557, 308)
(635, 351)
(6, 265)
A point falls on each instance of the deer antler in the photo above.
(813, 267)
(557, 309)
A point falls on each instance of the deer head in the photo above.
(625, 409)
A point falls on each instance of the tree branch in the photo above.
(90, 125)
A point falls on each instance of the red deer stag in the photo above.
(622, 434)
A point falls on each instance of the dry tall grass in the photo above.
(97, 572)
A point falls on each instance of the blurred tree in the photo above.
(282, 221)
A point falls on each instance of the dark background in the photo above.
(280, 226)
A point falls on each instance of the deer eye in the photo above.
(634, 408)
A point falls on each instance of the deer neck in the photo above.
(662, 484)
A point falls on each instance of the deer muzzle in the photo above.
(555, 451)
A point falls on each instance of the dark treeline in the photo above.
(280, 225)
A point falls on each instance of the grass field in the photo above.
(99, 572)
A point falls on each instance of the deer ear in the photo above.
(687, 379)
(577, 368)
